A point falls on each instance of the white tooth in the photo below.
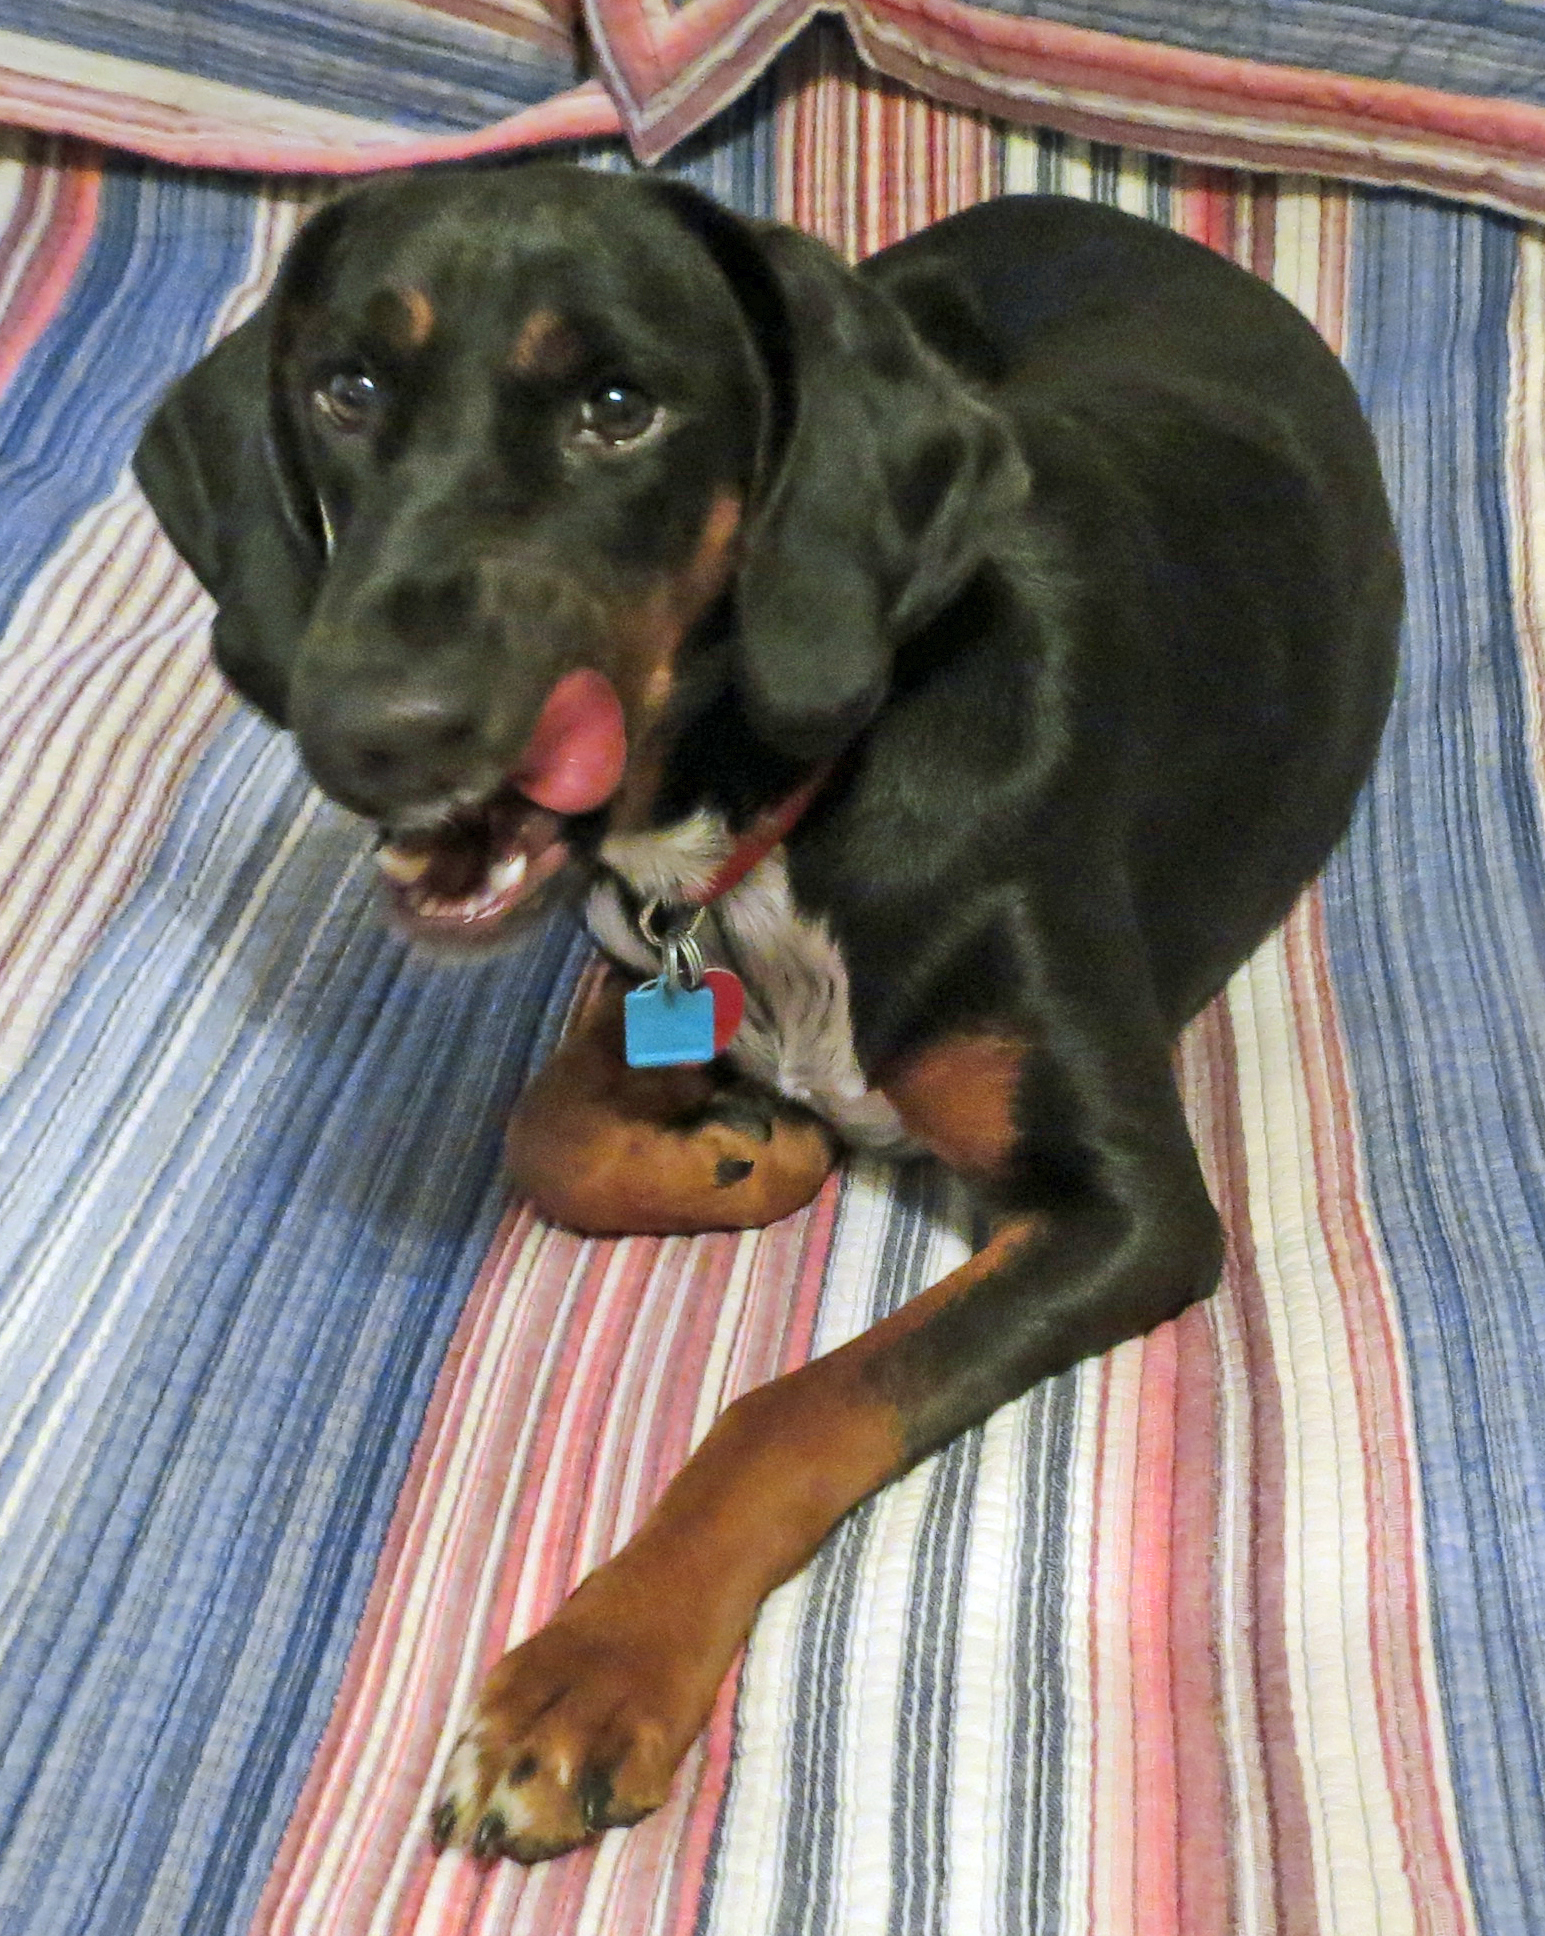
(505, 874)
(400, 865)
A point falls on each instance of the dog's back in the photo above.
(1207, 492)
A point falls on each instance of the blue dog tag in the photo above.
(665, 1026)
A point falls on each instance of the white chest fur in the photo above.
(797, 1036)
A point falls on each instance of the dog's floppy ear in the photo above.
(885, 482)
(212, 466)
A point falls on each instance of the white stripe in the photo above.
(217, 102)
(989, 1632)
(1297, 942)
(1104, 1885)
(1356, 1846)
(881, 1628)
(23, 249)
(1252, 1890)
(18, 160)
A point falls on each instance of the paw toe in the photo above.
(488, 1841)
(562, 1784)
(442, 1824)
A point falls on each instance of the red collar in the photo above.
(770, 826)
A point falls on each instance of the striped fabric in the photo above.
(1421, 93)
(1427, 94)
(331, 85)
(1488, 47)
(1236, 1632)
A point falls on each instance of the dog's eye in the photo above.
(615, 415)
(347, 398)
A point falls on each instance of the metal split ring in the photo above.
(681, 958)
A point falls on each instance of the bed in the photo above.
(302, 1419)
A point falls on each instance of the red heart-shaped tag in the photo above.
(729, 1004)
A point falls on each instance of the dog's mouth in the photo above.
(479, 865)
(467, 878)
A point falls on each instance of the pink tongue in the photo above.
(577, 750)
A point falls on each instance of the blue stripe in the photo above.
(1464, 46)
(921, 1841)
(1435, 919)
(1036, 1699)
(166, 251)
(417, 67)
(735, 159)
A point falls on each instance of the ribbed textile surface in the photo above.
(1237, 1630)
(1446, 96)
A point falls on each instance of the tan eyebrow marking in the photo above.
(421, 316)
(405, 318)
(546, 346)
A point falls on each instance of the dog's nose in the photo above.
(379, 751)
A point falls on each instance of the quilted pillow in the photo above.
(330, 86)
(1422, 93)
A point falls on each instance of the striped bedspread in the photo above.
(1446, 96)
(1237, 1632)
(298, 84)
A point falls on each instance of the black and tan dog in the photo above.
(988, 643)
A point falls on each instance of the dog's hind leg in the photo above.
(605, 1149)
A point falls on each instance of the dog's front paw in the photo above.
(578, 1730)
(745, 1161)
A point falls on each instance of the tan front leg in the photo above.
(608, 1150)
(583, 1726)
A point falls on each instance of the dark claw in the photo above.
(594, 1796)
(732, 1169)
(442, 1825)
(489, 1840)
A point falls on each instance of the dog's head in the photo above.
(505, 450)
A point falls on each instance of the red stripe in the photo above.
(1290, 1863)
(861, 162)
(56, 257)
(1204, 1876)
(547, 1425)
(1092, 1640)
(1205, 203)
(1156, 1880)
